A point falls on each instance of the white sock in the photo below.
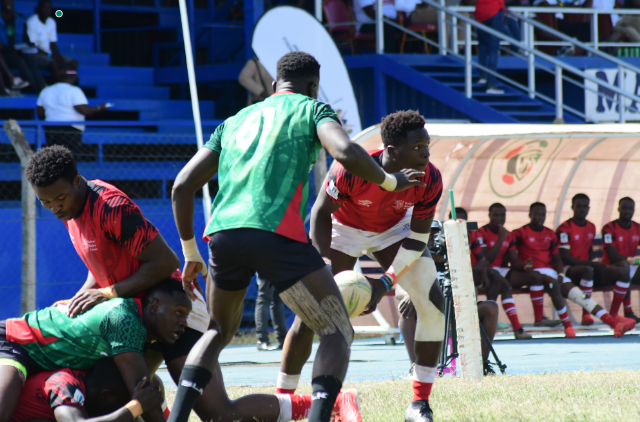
(426, 374)
(287, 382)
(600, 313)
(284, 400)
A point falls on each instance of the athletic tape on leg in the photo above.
(417, 282)
(324, 318)
(464, 300)
(582, 299)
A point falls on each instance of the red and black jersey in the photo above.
(45, 391)
(625, 240)
(578, 239)
(538, 245)
(366, 206)
(488, 238)
(475, 245)
(109, 232)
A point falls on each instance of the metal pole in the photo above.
(620, 97)
(318, 10)
(468, 91)
(531, 64)
(594, 30)
(379, 28)
(28, 279)
(559, 99)
(442, 30)
(193, 88)
(454, 34)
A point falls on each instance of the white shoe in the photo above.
(495, 90)
(18, 83)
(482, 81)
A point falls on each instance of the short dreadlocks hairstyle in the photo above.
(49, 164)
(396, 125)
(297, 65)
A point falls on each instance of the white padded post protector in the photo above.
(464, 300)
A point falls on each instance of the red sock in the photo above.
(285, 391)
(509, 307)
(587, 287)
(300, 406)
(627, 305)
(165, 409)
(537, 299)
(563, 314)
(608, 319)
(619, 291)
(423, 377)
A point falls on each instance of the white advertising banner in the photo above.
(603, 109)
(285, 29)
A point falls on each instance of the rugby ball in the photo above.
(355, 290)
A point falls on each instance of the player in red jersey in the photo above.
(496, 242)
(352, 215)
(97, 395)
(620, 239)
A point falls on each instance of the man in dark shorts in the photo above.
(263, 156)
(49, 339)
(68, 395)
(620, 239)
(124, 253)
(352, 215)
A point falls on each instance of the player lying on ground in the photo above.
(491, 260)
(352, 215)
(49, 340)
(620, 239)
(540, 243)
(576, 249)
(263, 155)
(96, 395)
(124, 253)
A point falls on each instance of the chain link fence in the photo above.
(141, 164)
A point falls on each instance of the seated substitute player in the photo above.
(68, 395)
(496, 241)
(620, 239)
(48, 340)
(479, 264)
(263, 155)
(352, 215)
(124, 253)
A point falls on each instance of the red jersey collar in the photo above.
(282, 93)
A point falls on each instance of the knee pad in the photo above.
(418, 282)
(581, 298)
(325, 317)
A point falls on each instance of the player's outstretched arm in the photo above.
(321, 224)
(134, 370)
(148, 396)
(357, 162)
(198, 171)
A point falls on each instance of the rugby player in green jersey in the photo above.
(262, 156)
(121, 328)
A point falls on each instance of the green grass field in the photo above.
(572, 396)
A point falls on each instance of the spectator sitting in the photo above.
(12, 31)
(65, 102)
(42, 32)
(628, 25)
(570, 24)
(365, 13)
(255, 79)
(15, 82)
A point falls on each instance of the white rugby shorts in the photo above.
(502, 270)
(355, 242)
(550, 272)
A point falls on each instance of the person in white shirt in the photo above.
(365, 13)
(43, 34)
(65, 102)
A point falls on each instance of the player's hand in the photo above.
(528, 265)
(148, 395)
(61, 303)
(378, 290)
(85, 300)
(190, 278)
(503, 233)
(406, 308)
(407, 178)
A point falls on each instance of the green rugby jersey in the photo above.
(266, 153)
(53, 340)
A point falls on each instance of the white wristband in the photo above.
(192, 254)
(389, 183)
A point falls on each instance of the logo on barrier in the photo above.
(514, 168)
